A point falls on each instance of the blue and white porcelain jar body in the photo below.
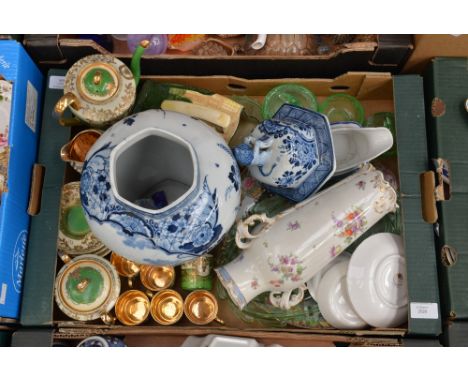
(102, 342)
(160, 188)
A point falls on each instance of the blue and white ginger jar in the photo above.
(160, 188)
(291, 154)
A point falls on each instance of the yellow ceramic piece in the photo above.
(216, 109)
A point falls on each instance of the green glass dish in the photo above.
(385, 119)
(252, 108)
(341, 108)
(292, 94)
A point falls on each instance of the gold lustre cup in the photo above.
(156, 278)
(167, 307)
(125, 267)
(132, 307)
(201, 307)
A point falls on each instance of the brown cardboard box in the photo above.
(384, 53)
(428, 46)
(377, 92)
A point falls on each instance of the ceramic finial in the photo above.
(244, 154)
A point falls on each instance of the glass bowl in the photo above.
(292, 94)
(342, 107)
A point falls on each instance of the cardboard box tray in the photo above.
(377, 92)
(386, 53)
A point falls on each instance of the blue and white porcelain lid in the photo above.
(301, 145)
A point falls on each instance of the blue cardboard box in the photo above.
(21, 89)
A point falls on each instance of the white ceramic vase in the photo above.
(292, 247)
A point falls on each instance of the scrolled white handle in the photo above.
(243, 232)
(286, 300)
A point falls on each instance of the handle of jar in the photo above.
(286, 300)
(67, 100)
(108, 319)
(243, 234)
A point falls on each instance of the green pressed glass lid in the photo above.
(293, 94)
(342, 108)
(87, 287)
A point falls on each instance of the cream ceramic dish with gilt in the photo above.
(295, 245)
(160, 188)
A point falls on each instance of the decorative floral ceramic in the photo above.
(160, 188)
(291, 154)
(102, 341)
(295, 245)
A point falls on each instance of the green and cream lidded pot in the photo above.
(100, 89)
(86, 288)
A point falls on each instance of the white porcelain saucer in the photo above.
(313, 283)
(333, 299)
(377, 281)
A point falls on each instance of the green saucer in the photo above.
(75, 221)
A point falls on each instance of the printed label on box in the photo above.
(56, 82)
(6, 96)
(31, 107)
(424, 310)
(3, 294)
(19, 254)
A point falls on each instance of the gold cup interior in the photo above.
(201, 307)
(132, 307)
(81, 144)
(123, 266)
(156, 278)
(167, 307)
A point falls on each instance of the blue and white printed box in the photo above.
(20, 105)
